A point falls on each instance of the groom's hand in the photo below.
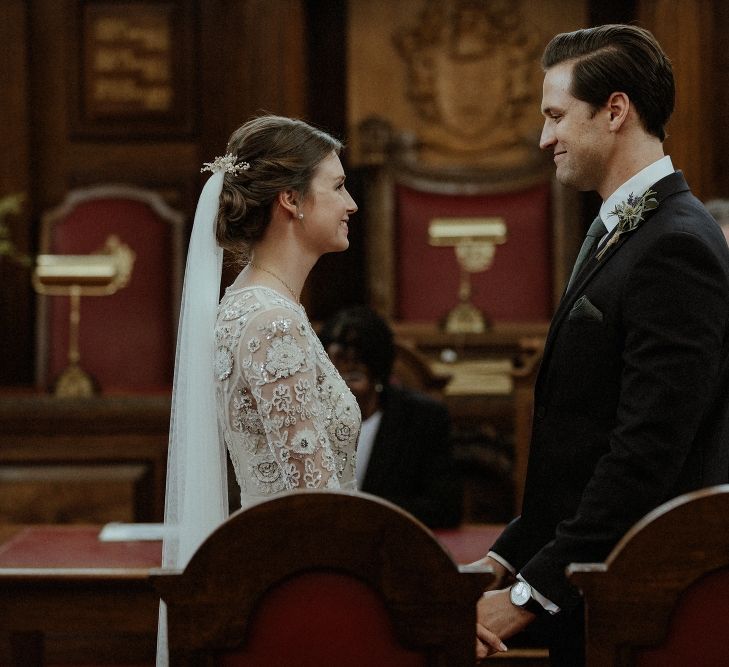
(488, 642)
(502, 576)
(498, 619)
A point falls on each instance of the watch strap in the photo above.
(531, 605)
(534, 607)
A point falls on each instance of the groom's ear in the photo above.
(618, 106)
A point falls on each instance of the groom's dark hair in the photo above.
(618, 58)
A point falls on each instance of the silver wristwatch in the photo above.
(521, 596)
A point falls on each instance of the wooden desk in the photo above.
(61, 591)
(77, 460)
(490, 390)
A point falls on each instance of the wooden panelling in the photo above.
(16, 323)
(82, 460)
(253, 59)
(73, 493)
(685, 30)
(719, 101)
(246, 56)
(289, 57)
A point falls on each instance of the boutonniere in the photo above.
(630, 214)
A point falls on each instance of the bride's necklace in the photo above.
(279, 278)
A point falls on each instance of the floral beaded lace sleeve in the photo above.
(289, 420)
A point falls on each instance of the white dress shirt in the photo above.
(636, 186)
(367, 434)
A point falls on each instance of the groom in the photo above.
(632, 398)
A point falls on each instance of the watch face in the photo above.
(520, 593)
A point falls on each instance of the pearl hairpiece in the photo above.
(227, 164)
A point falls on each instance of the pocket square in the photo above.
(584, 309)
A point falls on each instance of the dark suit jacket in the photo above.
(632, 398)
(410, 464)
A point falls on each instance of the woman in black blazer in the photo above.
(404, 452)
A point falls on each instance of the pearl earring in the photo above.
(301, 216)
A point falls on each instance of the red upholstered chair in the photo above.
(413, 281)
(126, 340)
(661, 599)
(321, 578)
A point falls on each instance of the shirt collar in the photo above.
(635, 185)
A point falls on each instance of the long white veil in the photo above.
(196, 500)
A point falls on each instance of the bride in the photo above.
(251, 376)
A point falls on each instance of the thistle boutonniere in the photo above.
(630, 216)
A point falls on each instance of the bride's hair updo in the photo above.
(282, 154)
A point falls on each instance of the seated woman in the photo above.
(404, 450)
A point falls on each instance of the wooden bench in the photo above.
(661, 599)
(322, 578)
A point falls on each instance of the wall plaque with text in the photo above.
(134, 74)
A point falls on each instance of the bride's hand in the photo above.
(487, 643)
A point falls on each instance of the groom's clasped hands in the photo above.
(496, 617)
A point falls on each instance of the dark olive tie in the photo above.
(594, 234)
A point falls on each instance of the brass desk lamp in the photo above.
(99, 274)
(474, 240)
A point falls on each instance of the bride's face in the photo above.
(327, 208)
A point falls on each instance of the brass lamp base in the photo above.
(465, 318)
(74, 382)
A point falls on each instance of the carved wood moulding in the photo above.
(470, 75)
(458, 81)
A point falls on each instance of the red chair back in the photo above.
(699, 627)
(322, 578)
(412, 281)
(325, 635)
(126, 340)
(428, 276)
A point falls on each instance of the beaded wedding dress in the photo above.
(288, 419)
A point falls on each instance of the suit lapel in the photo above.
(667, 186)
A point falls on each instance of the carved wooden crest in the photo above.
(473, 76)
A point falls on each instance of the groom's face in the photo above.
(576, 134)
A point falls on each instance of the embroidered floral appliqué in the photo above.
(282, 398)
(305, 442)
(303, 391)
(223, 363)
(288, 418)
(284, 357)
(277, 327)
(267, 474)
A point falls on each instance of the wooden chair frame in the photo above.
(80, 196)
(430, 600)
(402, 168)
(630, 597)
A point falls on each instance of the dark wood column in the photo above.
(685, 30)
(16, 321)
